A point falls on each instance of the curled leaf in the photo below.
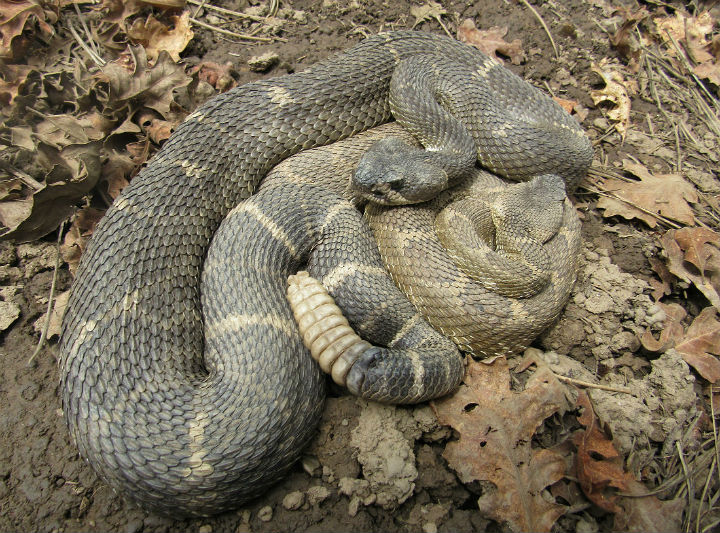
(699, 346)
(694, 256)
(156, 36)
(617, 93)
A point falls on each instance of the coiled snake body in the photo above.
(195, 421)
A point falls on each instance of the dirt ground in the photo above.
(46, 486)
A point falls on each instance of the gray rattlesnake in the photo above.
(158, 416)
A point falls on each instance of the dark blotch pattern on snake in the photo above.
(152, 399)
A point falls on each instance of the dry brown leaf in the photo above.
(491, 41)
(662, 194)
(663, 286)
(117, 171)
(694, 256)
(672, 330)
(496, 426)
(12, 79)
(56, 316)
(60, 131)
(14, 14)
(698, 346)
(600, 472)
(427, 11)
(118, 11)
(624, 39)
(702, 343)
(218, 76)
(145, 85)
(692, 31)
(156, 36)
(695, 35)
(71, 173)
(572, 106)
(643, 514)
(77, 237)
(598, 465)
(616, 91)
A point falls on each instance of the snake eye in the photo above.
(396, 184)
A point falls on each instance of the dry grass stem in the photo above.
(99, 61)
(544, 27)
(236, 35)
(225, 11)
(51, 297)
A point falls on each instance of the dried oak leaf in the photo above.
(491, 42)
(427, 11)
(65, 150)
(54, 327)
(77, 237)
(72, 173)
(117, 171)
(143, 84)
(616, 91)
(496, 426)
(663, 286)
(598, 465)
(694, 256)
(648, 513)
(12, 79)
(695, 35)
(600, 472)
(624, 39)
(156, 36)
(217, 75)
(662, 194)
(118, 11)
(698, 346)
(14, 14)
(573, 106)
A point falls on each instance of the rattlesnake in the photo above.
(188, 423)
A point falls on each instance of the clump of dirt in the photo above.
(607, 311)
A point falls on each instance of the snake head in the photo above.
(392, 172)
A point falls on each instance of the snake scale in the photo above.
(193, 401)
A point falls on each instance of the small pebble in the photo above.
(429, 527)
(293, 501)
(317, 494)
(264, 62)
(207, 528)
(265, 514)
(311, 465)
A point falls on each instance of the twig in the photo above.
(542, 23)
(26, 178)
(51, 298)
(590, 385)
(688, 479)
(225, 11)
(231, 33)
